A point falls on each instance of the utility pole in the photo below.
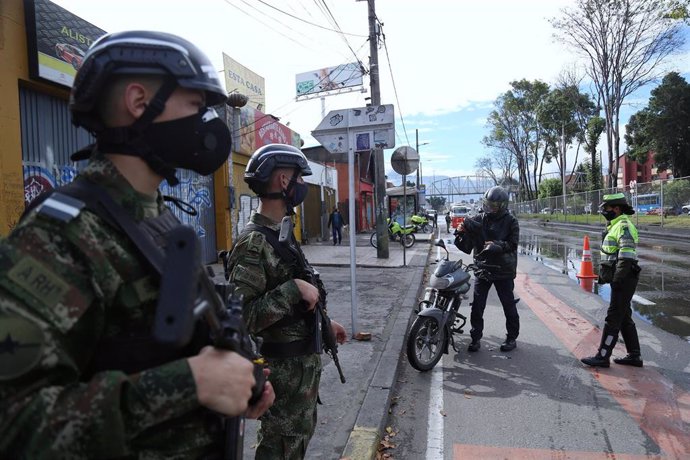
(379, 167)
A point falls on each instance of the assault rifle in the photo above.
(187, 294)
(324, 338)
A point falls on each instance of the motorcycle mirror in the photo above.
(440, 243)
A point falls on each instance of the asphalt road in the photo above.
(539, 401)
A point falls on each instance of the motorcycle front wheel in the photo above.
(425, 343)
(373, 240)
(408, 240)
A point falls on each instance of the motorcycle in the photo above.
(431, 333)
(421, 223)
(397, 233)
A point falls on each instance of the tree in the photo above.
(677, 193)
(663, 127)
(623, 42)
(550, 187)
(437, 202)
(595, 126)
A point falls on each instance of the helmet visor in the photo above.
(490, 206)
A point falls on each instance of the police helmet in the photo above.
(139, 53)
(272, 156)
(495, 200)
(617, 199)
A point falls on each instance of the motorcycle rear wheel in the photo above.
(408, 240)
(373, 240)
(425, 343)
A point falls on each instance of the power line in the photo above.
(342, 34)
(395, 90)
(307, 22)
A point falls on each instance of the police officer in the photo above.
(494, 235)
(80, 374)
(279, 306)
(619, 267)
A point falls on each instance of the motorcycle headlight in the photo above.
(440, 282)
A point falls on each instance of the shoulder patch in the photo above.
(21, 346)
(61, 207)
(252, 278)
(38, 281)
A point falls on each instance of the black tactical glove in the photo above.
(491, 248)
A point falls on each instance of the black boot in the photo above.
(609, 337)
(474, 346)
(631, 359)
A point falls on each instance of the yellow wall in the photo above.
(13, 56)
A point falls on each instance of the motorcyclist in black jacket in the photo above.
(493, 235)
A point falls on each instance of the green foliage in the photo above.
(677, 193)
(437, 202)
(663, 127)
(550, 187)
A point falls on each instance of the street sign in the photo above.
(405, 160)
(362, 128)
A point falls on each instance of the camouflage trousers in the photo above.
(289, 425)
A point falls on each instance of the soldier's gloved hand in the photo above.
(309, 293)
(223, 379)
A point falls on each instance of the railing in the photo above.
(658, 203)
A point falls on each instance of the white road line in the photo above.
(642, 300)
(434, 443)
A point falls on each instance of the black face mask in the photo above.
(199, 142)
(608, 215)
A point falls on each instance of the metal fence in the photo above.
(662, 199)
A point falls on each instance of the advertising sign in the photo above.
(329, 79)
(57, 41)
(258, 129)
(242, 80)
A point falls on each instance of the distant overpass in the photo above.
(456, 187)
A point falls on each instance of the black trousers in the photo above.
(619, 313)
(504, 288)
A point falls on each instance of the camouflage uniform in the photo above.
(64, 288)
(271, 300)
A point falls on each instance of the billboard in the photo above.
(258, 129)
(329, 79)
(57, 41)
(242, 80)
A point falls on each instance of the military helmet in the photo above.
(140, 53)
(272, 156)
(617, 199)
(495, 200)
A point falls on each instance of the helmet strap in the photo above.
(128, 140)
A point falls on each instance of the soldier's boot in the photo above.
(632, 345)
(609, 337)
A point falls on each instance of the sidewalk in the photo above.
(353, 414)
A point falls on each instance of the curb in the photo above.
(364, 438)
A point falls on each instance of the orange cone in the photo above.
(586, 271)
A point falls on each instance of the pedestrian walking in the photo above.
(618, 267)
(493, 235)
(448, 222)
(81, 375)
(335, 222)
(278, 304)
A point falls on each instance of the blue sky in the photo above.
(450, 59)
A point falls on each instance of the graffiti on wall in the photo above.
(194, 191)
(38, 179)
(248, 204)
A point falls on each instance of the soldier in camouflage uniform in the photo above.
(279, 307)
(80, 374)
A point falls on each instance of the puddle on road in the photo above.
(661, 297)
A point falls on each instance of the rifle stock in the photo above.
(185, 297)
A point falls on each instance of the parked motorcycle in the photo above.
(438, 318)
(421, 223)
(397, 233)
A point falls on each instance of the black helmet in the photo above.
(495, 200)
(269, 157)
(140, 53)
(617, 199)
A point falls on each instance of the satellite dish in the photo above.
(405, 160)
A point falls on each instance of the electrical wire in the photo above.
(342, 34)
(307, 22)
(395, 90)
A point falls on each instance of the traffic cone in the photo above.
(586, 274)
